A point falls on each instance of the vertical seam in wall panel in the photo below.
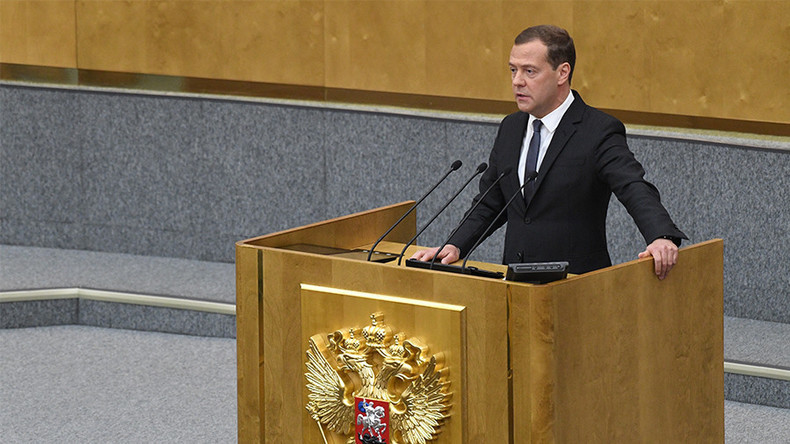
(76, 41)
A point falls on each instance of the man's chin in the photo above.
(523, 107)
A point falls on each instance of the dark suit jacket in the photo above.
(565, 220)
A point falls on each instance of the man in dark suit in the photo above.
(577, 155)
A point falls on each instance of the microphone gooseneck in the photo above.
(457, 164)
(480, 168)
(469, 213)
(532, 176)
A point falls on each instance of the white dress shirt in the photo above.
(550, 123)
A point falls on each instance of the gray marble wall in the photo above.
(187, 177)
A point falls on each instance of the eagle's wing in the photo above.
(426, 402)
(327, 401)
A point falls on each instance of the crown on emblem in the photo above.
(377, 334)
(351, 344)
(396, 349)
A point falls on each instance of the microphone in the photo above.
(480, 168)
(531, 176)
(469, 213)
(457, 164)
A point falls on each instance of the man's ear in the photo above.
(565, 71)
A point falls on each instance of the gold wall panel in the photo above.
(436, 48)
(113, 36)
(681, 38)
(462, 58)
(754, 67)
(378, 46)
(38, 32)
(610, 66)
(260, 41)
(724, 59)
(712, 59)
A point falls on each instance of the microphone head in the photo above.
(506, 171)
(482, 167)
(532, 175)
(457, 164)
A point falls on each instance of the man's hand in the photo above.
(665, 255)
(450, 253)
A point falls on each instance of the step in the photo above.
(34, 268)
(45, 286)
(757, 362)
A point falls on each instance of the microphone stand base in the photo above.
(438, 266)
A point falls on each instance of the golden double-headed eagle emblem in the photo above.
(374, 363)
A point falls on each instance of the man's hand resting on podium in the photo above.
(665, 255)
(450, 253)
(664, 252)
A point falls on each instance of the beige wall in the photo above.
(709, 58)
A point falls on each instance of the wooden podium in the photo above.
(611, 356)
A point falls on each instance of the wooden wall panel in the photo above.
(610, 66)
(38, 32)
(681, 36)
(376, 46)
(259, 41)
(697, 58)
(462, 58)
(112, 35)
(721, 59)
(754, 67)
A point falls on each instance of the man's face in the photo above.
(536, 85)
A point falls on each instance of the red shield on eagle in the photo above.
(373, 417)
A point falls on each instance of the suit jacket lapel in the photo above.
(512, 158)
(562, 134)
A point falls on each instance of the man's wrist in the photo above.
(674, 239)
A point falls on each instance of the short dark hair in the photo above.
(557, 40)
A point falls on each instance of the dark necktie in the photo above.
(532, 159)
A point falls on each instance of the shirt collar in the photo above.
(552, 120)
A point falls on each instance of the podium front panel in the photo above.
(613, 355)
